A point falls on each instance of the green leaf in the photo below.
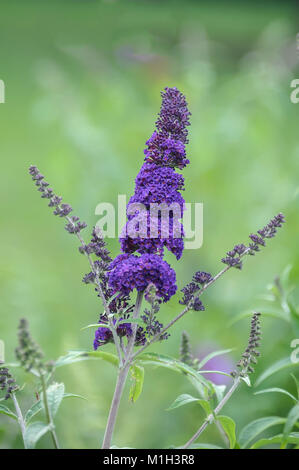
(293, 438)
(136, 321)
(219, 392)
(292, 418)
(137, 374)
(35, 408)
(39, 405)
(76, 356)
(277, 390)
(6, 411)
(276, 367)
(108, 357)
(220, 372)
(182, 400)
(229, 427)
(175, 365)
(246, 379)
(73, 395)
(211, 355)
(55, 394)
(256, 427)
(296, 383)
(71, 357)
(205, 404)
(33, 433)
(96, 325)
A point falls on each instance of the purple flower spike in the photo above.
(158, 182)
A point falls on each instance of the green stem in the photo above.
(48, 414)
(20, 416)
(211, 418)
(122, 377)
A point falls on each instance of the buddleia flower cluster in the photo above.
(141, 262)
(8, 384)
(28, 351)
(249, 357)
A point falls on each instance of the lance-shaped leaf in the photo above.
(137, 375)
(33, 433)
(6, 411)
(256, 427)
(229, 427)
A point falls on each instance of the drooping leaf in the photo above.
(34, 432)
(34, 410)
(73, 395)
(229, 427)
(39, 405)
(276, 367)
(256, 427)
(182, 400)
(277, 390)
(293, 438)
(175, 365)
(211, 356)
(296, 383)
(108, 357)
(96, 325)
(292, 418)
(76, 356)
(55, 394)
(71, 357)
(137, 375)
(6, 411)
(205, 404)
(220, 372)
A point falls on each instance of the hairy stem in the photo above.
(19, 415)
(121, 379)
(211, 418)
(48, 413)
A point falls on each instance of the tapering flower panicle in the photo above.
(167, 144)
(7, 383)
(157, 183)
(73, 225)
(249, 357)
(28, 352)
(233, 258)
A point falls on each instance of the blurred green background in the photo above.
(82, 92)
